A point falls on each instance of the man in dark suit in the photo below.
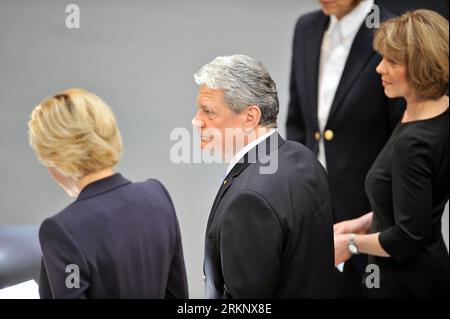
(269, 233)
(338, 108)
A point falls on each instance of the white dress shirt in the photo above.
(237, 157)
(336, 45)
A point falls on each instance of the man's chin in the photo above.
(217, 154)
(206, 145)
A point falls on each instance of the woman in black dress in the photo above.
(408, 183)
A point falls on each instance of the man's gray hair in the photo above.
(245, 82)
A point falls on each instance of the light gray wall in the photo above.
(140, 57)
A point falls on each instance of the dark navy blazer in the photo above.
(123, 238)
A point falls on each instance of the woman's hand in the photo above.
(341, 252)
(359, 225)
(346, 227)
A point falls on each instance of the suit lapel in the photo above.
(360, 53)
(237, 169)
(270, 144)
(313, 44)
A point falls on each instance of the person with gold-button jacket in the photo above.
(338, 108)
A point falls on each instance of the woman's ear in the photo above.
(54, 173)
(69, 184)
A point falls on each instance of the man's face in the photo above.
(338, 8)
(213, 118)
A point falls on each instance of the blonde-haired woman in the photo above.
(118, 239)
(408, 183)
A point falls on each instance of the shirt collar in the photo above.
(102, 186)
(239, 155)
(351, 22)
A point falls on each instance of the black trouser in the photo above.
(349, 281)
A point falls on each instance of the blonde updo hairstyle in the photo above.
(75, 132)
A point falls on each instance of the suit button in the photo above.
(317, 136)
(329, 135)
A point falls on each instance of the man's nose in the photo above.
(198, 123)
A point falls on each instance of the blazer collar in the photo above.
(313, 43)
(258, 153)
(360, 52)
(102, 186)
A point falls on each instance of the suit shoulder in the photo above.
(50, 224)
(299, 146)
(155, 186)
(151, 184)
(74, 216)
(293, 147)
(385, 14)
(309, 19)
(55, 232)
(287, 162)
(65, 214)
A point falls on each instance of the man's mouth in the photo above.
(206, 138)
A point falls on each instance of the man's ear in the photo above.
(252, 116)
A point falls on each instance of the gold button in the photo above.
(224, 182)
(329, 135)
(317, 136)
